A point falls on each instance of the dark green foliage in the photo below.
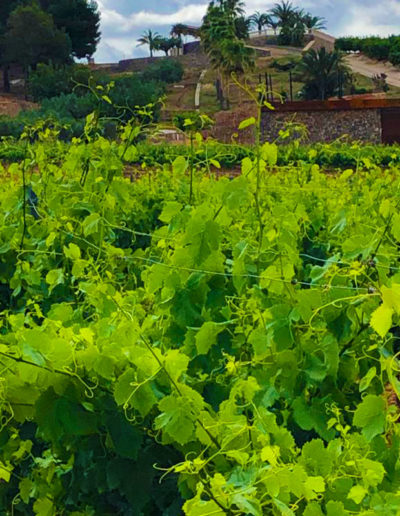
(133, 91)
(349, 44)
(375, 47)
(320, 71)
(168, 71)
(394, 54)
(285, 64)
(221, 33)
(71, 109)
(80, 19)
(167, 44)
(292, 34)
(48, 81)
(242, 27)
(32, 38)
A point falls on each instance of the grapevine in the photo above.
(228, 343)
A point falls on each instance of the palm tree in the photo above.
(259, 20)
(242, 27)
(233, 7)
(314, 22)
(151, 39)
(226, 51)
(165, 44)
(272, 22)
(284, 12)
(321, 70)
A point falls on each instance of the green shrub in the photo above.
(394, 56)
(69, 106)
(48, 81)
(348, 44)
(374, 47)
(377, 48)
(167, 70)
(133, 91)
(285, 64)
(10, 126)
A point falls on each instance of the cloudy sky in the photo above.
(124, 20)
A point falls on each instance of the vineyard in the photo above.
(177, 340)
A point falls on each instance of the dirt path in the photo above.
(368, 67)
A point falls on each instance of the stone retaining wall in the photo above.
(199, 60)
(326, 126)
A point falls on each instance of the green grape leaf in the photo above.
(316, 458)
(26, 489)
(206, 337)
(313, 486)
(247, 123)
(381, 320)
(179, 414)
(357, 494)
(313, 509)
(44, 507)
(124, 386)
(57, 416)
(367, 379)
(269, 153)
(170, 210)
(196, 507)
(55, 278)
(247, 506)
(335, 509)
(72, 251)
(373, 472)
(285, 510)
(127, 439)
(180, 165)
(91, 224)
(5, 472)
(370, 416)
(175, 363)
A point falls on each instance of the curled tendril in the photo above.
(5, 420)
(130, 414)
(89, 389)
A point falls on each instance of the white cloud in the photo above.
(192, 13)
(120, 31)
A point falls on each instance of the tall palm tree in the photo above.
(321, 70)
(284, 12)
(233, 7)
(226, 51)
(242, 27)
(270, 21)
(259, 20)
(314, 22)
(151, 39)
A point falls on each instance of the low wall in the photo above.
(189, 60)
(326, 126)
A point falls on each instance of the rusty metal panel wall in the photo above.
(390, 125)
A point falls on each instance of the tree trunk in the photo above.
(6, 79)
(26, 76)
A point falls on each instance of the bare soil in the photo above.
(11, 104)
